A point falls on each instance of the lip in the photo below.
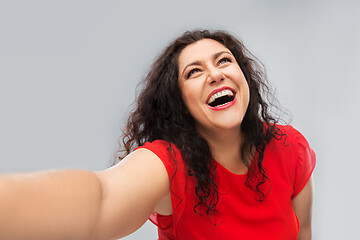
(223, 106)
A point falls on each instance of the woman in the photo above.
(204, 159)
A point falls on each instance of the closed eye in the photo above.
(192, 71)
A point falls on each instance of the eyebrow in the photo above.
(197, 63)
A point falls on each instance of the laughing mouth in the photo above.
(221, 98)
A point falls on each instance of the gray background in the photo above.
(69, 69)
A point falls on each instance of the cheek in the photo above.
(244, 91)
(186, 98)
(246, 88)
(246, 94)
(190, 94)
(189, 101)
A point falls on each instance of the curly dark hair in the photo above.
(160, 113)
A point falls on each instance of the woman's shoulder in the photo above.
(167, 152)
(288, 135)
(289, 142)
(160, 146)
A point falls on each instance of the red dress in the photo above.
(289, 163)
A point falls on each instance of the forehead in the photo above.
(200, 50)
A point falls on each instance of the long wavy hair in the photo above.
(160, 113)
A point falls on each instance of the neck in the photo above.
(225, 147)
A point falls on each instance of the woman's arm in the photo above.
(302, 204)
(74, 204)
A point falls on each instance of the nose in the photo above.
(215, 76)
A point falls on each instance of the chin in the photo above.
(229, 124)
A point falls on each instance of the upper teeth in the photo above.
(220, 94)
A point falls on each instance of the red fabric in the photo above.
(289, 163)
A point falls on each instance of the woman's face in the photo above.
(213, 86)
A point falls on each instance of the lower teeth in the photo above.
(222, 104)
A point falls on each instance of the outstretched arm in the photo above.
(302, 204)
(75, 204)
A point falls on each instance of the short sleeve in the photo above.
(160, 148)
(305, 162)
(170, 156)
